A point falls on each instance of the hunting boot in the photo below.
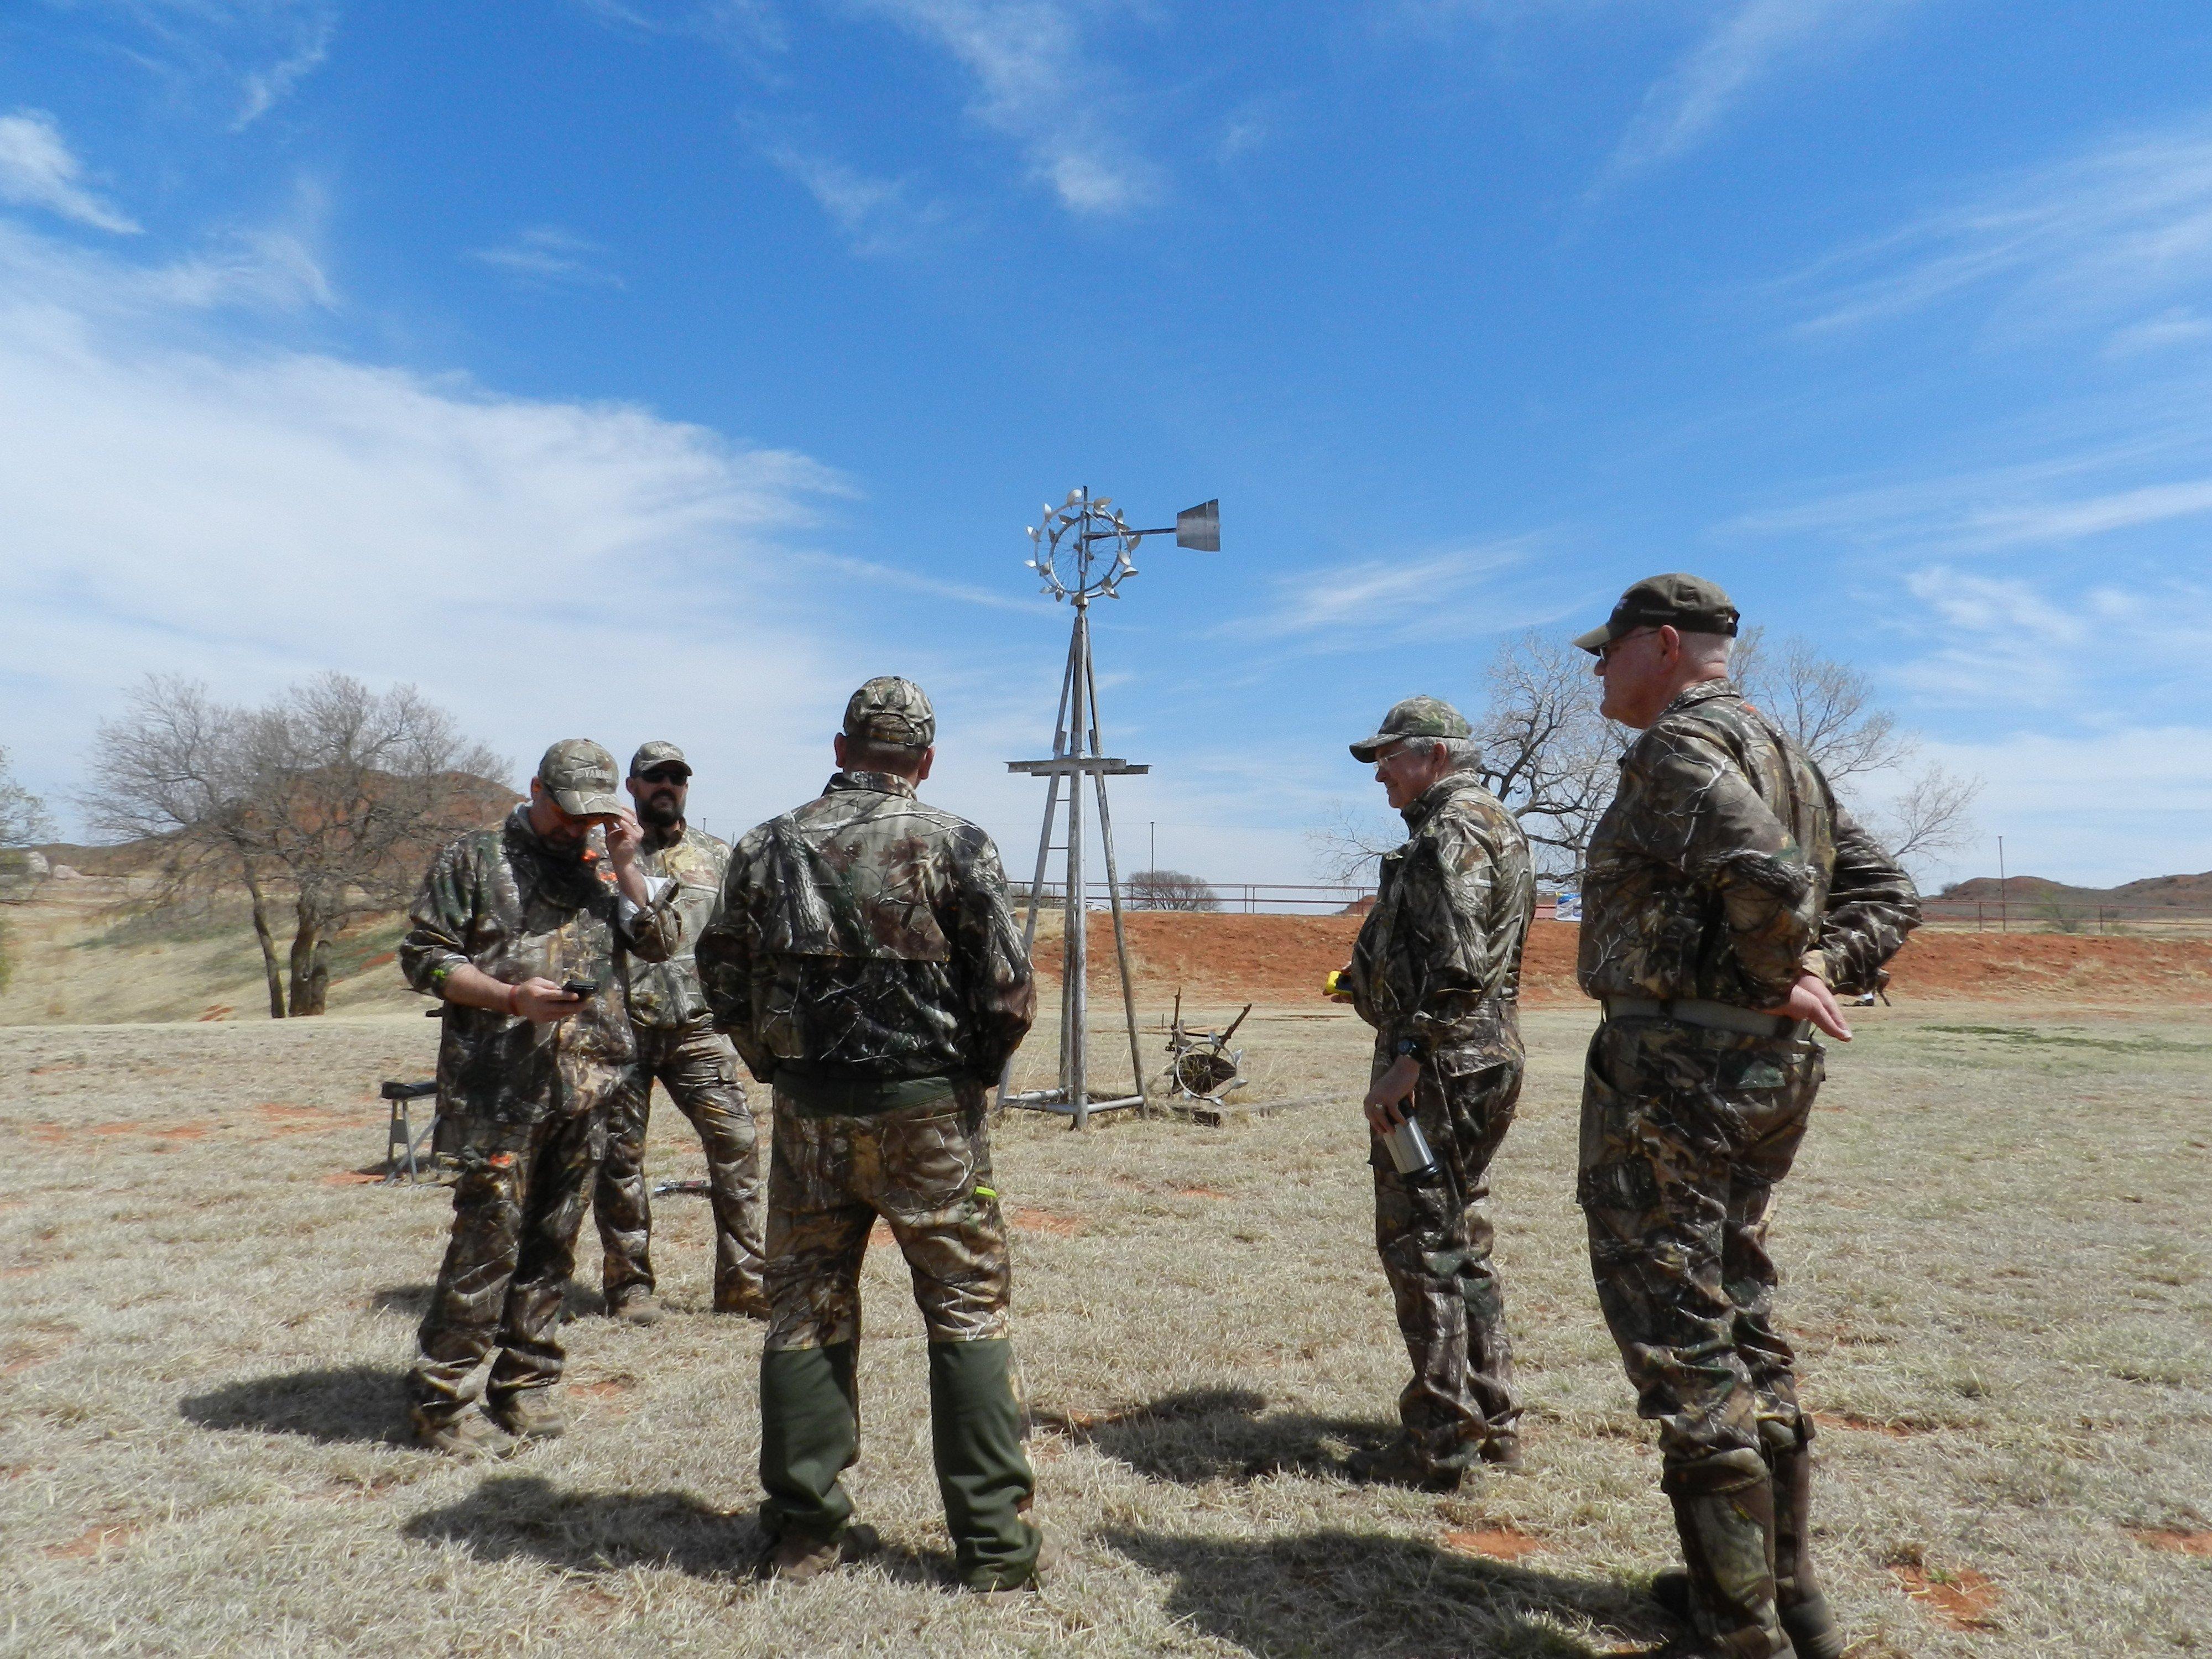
(1725, 1515)
(467, 1433)
(1804, 1610)
(636, 1306)
(739, 1296)
(529, 1414)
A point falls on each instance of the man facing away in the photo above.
(507, 917)
(1727, 898)
(677, 1043)
(866, 964)
(1436, 972)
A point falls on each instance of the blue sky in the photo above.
(663, 369)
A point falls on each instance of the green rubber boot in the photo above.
(810, 1435)
(983, 1475)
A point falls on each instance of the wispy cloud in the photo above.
(39, 169)
(264, 88)
(877, 215)
(877, 575)
(546, 256)
(2125, 226)
(1751, 42)
(1038, 84)
(1350, 606)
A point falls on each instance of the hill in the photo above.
(2182, 895)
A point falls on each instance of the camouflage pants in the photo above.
(699, 1069)
(518, 1206)
(926, 1172)
(1685, 1134)
(1435, 1243)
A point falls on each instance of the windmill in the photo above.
(1083, 550)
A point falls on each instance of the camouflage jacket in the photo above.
(1724, 867)
(511, 904)
(663, 995)
(1438, 959)
(867, 931)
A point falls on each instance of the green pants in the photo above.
(925, 1171)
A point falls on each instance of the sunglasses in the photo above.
(664, 775)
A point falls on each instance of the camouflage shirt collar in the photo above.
(883, 783)
(524, 834)
(675, 834)
(1703, 691)
(1452, 783)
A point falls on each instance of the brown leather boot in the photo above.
(1725, 1515)
(467, 1433)
(1804, 1610)
(529, 1414)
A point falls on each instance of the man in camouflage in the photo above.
(1436, 972)
(505, 917)
(676, 1042)
(866, 964)
(1727, 898)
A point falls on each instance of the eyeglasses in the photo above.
(1605, 652)
(664, 775)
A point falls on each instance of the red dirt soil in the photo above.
(1279, 959)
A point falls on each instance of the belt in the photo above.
(1697, 1011)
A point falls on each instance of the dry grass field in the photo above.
(1997, 1269)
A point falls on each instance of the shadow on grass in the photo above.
(346, 1402)
(1219, 1434)
(1360, 1595)
(414, 1300)
(526, 1515)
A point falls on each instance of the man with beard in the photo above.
(521, 930)
(1436, 972)
(1726, 899)
(676, 1042)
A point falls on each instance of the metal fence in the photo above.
(1239, 897)
(2056, 915)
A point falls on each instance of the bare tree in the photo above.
(23, 821)
(333, 796)
(1547, 752)
(1168, 890)
(1931, 816)
(1828, 706)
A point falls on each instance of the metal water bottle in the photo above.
(1416, 1165)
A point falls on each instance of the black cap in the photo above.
(1689, 603)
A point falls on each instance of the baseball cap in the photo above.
(889, 709)
(1416, 717)
(1690, 603)
(580, 777)
(656, 753)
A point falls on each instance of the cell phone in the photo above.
(580, 988)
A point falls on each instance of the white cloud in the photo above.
(2171, 330)
(264, 88)
(186, 498)
(546, 256)
(2124, 225)
(1038, 84)
(877, 215)
(1753, 42)
(1449, 593)
(2097, 808)
(37, 169)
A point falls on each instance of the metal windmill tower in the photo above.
(1082, 549)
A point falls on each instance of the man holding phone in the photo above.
(518, 929)
(677, 1043)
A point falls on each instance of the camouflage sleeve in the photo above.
(1701, 814)
(997, 983)
(725, 959)
(1453, 887)
(1872, 906)
(440, 919)
(654, 932)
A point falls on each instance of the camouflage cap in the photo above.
(1691, 603)
(889, 709)
(1416, 717)
(659, 752)
(580, 777)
